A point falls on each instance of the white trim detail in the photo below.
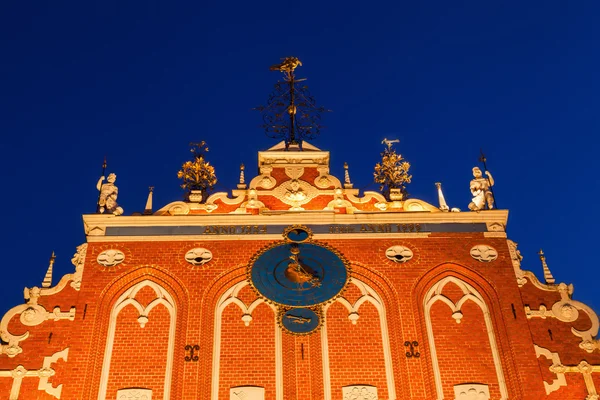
(471, 391)
(247, 393)
(227, 298)
(134, 393)
(435, 294)
(43, 374)
(370, 295)
(162, 297)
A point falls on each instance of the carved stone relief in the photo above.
(471, 391)
(359, 392)
(78, 261)
(134, 394)
(110, 258)
(295, 193)
(247, 393)
(198, 256)
(484, 253)
(399, 254)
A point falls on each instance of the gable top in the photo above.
(278, 156)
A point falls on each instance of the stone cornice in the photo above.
(96, 224)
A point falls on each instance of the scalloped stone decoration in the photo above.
(399, 254)
(471, 391)
(134, 394)
(484, 253)
(359, 392)
(198, 256)
(110, 258)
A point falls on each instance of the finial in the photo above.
(48, 278)
(291, 112)
(198, 176)
(148, 209)
(347, 183)
(242, 184)
(441, 199)
(547, 274)
(392, 173)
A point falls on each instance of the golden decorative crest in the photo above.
(197, 174)
(392, 172)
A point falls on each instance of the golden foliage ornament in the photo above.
(392, 172)
(197, 174)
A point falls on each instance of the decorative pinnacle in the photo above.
(48, 278)
(148, 209)
(242, 184)
(547, 274)
(441, 199)
(347, 183)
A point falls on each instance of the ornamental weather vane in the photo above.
(291, 112)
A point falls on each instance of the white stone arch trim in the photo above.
(231, 297)
(128, 298)
(469, 293)
(370, 295)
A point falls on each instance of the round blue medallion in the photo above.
(300, 320)
(299, 274)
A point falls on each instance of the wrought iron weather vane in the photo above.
(291, 112)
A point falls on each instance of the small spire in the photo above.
(48, 278)
(347, 183)
(242, 184)
(547, 274)
(441, 199)
(148, 209)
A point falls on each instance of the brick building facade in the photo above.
(432, 304)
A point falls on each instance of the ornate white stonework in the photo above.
(567, 310)
(359, 392)
(399, 254)
(134, 394)
(44, 374)
(484, 253)
(110, 258)
(198, 256)
(471, 391)
(247, 393)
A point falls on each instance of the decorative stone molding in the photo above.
(44, 374)
(110, 258)
(359, 392)
(129, 298)
(495, 227)
(484, 253)
(134, 394)
(78, 261)
(198, 256)
(231, 296)
(471, 391)
(247, 393)
(567, 310)
(469, 294)
(416, 205)
(31, 314)
(368, 294)
(399, 254)
(516, 258)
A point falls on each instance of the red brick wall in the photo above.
(401, 286)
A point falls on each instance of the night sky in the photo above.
(138, 81)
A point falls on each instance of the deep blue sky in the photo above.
(137, 81)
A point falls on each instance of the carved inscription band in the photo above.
(215, 230)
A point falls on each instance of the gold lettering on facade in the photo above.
(233, 230)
